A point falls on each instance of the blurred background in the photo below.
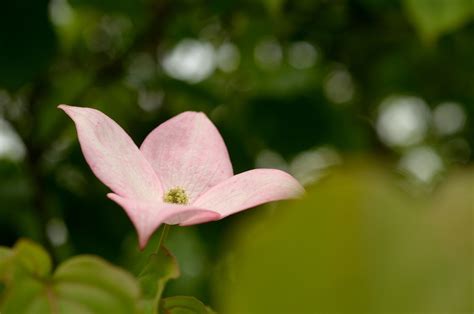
(368, 103)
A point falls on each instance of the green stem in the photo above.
(164, 234)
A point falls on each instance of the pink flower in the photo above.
(181, 174)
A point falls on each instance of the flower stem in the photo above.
(164, 234)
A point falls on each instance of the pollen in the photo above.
(176, 195)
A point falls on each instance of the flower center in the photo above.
(176, 195)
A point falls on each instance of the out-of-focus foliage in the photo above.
(295, 85)
(435, 17)
(356, 244)
(183, 305)
(86, 284)
(82, 284)
(27, 41)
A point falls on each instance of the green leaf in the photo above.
(357, 243)
(4, 251)
(4, 255)
(96, 285)
(33, 258)
(84, 284)
(433, 18)
(25, 259)
(183, 305)
(159, 269)
(28, 288)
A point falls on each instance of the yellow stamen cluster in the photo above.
(176, 195)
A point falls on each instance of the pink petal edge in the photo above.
(147, 217)
(249, 189)
(200, 218)
(113, 156)
(187, 151)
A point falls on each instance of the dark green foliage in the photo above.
(27, 42)
(109, 55)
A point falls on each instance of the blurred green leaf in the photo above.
(25, 259)
(161, 267)
(183, 305)
(33, 258)
(273, 6)
(84, 284)
(357, 243)
(4, 252)
(433, 18)
(96, 285)
(22, 270)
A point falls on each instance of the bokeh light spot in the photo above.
(142, 68)
(150, 100)
(190, 60)
(339, 86)
(228, 57)
(309, 166)
(402, 121)
(302, 55)
(270, 159)
(11, 145)
(449, 118)
(57, 232)
(423, 163)
(268, 54)
(60, 12)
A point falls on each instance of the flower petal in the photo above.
(249, 189)
(201, 217)
(187, 151)
(148, 216)
(113, 156)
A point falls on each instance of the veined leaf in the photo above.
(161, 267)
(84, 284)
